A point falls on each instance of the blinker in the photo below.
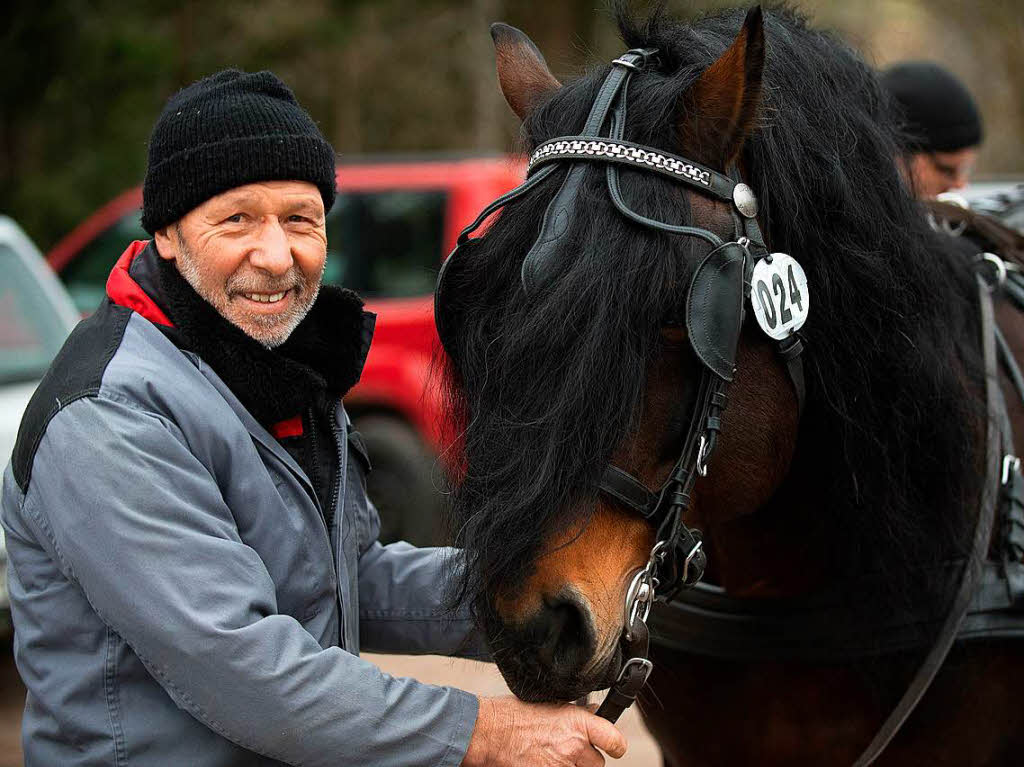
(446, 300)
(714, 308)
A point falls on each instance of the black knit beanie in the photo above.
(938, 111)
(227, 130)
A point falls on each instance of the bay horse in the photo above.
(857, 481)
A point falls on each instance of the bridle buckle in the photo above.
(646, 666)
(646, 56)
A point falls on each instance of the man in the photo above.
(942, 125)
(193, 559)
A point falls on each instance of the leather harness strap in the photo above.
(997, 438)
(632, 677)
(790, 349)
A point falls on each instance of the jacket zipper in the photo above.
(336, 482)
(335, 490)
(314, 467)
(335, 544)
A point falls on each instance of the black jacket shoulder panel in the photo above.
(76, 372)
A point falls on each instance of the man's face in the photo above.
(256, 253)
(936, 172)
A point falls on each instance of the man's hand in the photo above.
(510, 732)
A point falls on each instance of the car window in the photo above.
(31, 333)
(386, 244)
(86, 275)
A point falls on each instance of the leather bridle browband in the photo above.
(714, 316)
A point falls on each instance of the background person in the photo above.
(942, 124)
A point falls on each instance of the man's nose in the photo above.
(272, 252)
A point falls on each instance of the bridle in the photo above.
(714, 316)
(727, 276)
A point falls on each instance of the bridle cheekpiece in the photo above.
(730, 274)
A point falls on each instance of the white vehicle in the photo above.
(36, 315)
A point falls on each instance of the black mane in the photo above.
(548, 385)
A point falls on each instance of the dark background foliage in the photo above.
(82, 80)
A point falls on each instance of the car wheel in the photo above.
(400, 483)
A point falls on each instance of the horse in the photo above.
(857, 479)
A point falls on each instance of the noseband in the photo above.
(714, 316)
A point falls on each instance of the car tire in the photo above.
(401, 482)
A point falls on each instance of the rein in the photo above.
(998, 438)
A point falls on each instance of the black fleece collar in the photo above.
(324, 354)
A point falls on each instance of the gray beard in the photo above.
(266, 330)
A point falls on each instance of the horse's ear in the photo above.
(522, 72)
(718, 111)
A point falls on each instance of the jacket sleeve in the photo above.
(403, 599)
(139, 523)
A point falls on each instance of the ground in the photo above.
(480, 678)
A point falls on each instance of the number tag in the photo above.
(778, 292)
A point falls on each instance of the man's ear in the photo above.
(522, 72)
(166, 241)
(716, 114)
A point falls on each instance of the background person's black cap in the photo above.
(227, 130)
(938, 111)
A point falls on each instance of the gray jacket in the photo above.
(177, 597)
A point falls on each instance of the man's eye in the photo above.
(296, 218)
(235, 218)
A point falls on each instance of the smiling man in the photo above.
(267, 290)
(194, 562)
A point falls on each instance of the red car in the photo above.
(391, 227)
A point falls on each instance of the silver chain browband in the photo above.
(567, 149)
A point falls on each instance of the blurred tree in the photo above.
(83, 80)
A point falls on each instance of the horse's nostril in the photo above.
(566, 638)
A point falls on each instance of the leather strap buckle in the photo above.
(628, 59)
(633, 675)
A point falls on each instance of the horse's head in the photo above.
(596, 364)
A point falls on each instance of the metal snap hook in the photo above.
(639, 598)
